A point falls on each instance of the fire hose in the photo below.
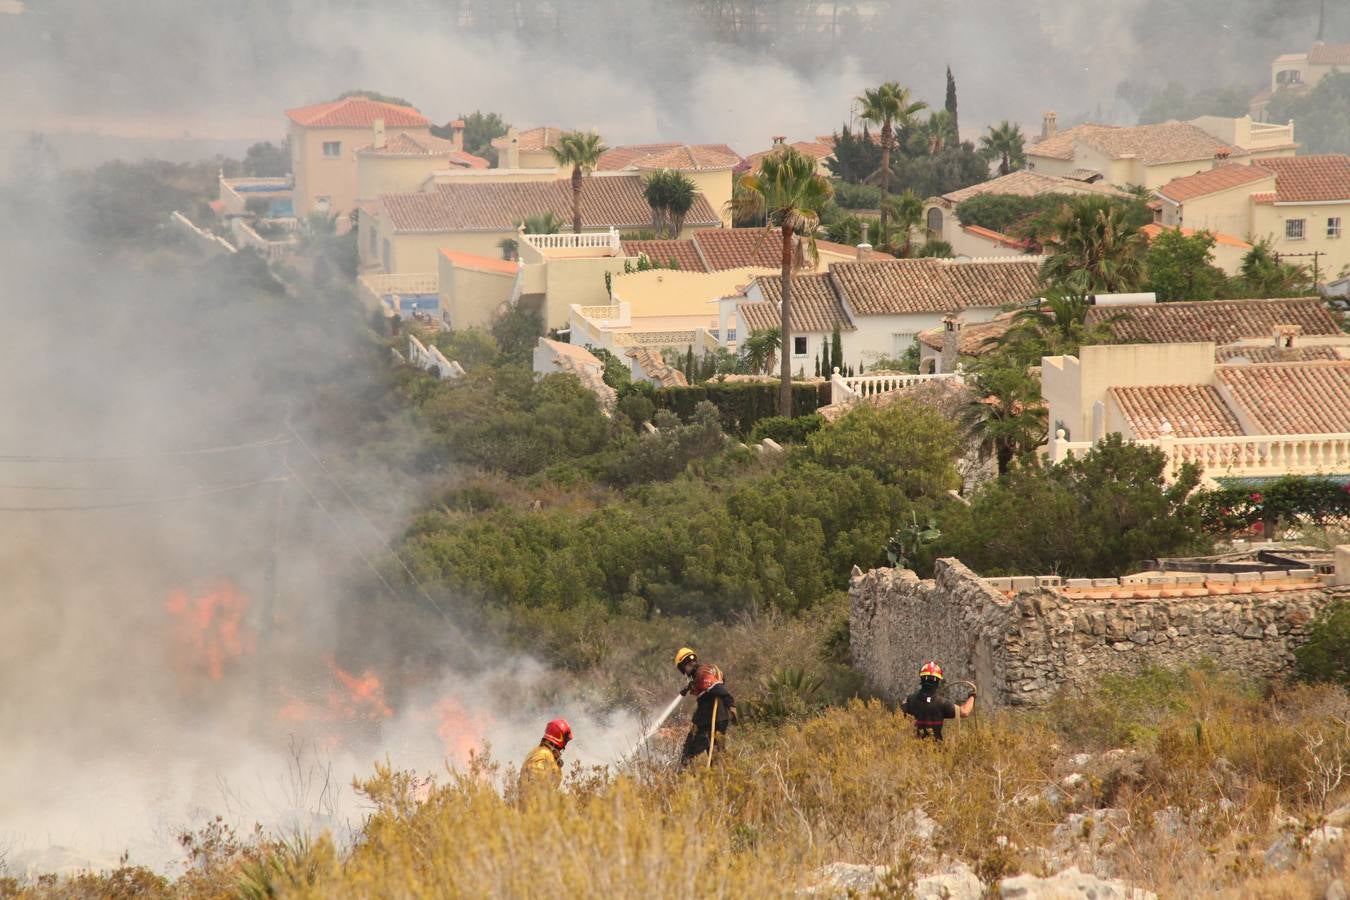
(712, 733)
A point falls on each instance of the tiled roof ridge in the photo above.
(365, 110)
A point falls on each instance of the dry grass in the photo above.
(1221, 765)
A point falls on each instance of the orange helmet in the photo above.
(931, 670)
(558, 733)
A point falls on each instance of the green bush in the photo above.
(1326, 655)
(1279, 503)
(741, 404)
(856, 196)
(785, 430)
(904, 444)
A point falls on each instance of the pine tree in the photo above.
(837, 350)
(951, 106)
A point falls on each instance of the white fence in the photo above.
(214, 240)
(860, 386)
(432, 360)
(272, 251)
(594, 240)
(1245, 456)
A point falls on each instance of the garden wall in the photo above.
(1022, 639)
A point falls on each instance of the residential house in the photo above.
(1228, 250)
(820, 149)
(527, 149)
(882, 305)
(1299, 203)
(1301, 72)
(1149, 155)
(815, 312)
(974, 241)
(324, 139)
(1236, 418)
(402, 162)
(476, 215)
(711, 167)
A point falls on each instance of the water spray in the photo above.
(655, 726)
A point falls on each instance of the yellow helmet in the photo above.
(683, 654)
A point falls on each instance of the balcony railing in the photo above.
(861, 386)
(1245, 456)
(594, 240)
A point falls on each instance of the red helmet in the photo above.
(931, 670)
(558, 733)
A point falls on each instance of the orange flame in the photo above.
(365, 695)
(211, 627)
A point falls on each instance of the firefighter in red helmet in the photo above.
(930, 711)
(543, 767)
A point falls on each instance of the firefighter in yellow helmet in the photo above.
(930, 711)
(543, 767)
(715, 710)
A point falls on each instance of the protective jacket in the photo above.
(709, 689)
(929, 712)
(542, 768)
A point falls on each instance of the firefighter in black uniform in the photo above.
(928, 710)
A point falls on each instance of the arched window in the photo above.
(935, 223)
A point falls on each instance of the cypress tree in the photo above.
(825, 359)
(837, 350)
(951, 106)
(689, 364)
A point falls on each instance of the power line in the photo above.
(163, 454)
(379, 535)
(146, 501)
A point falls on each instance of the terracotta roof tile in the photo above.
(623, 156)
(494, 264)
(1329, 54)
(356, 112)
(1304, 179)
(653, 366)
(423, 145)
(816, 149)
(1292, 398)
(1221, 321)
(1152, 230)
(691, 158)
(1193, 410)
(662, 252)
(997, 237)
(1163, 142)
(815, 308)
(607, 200)
(531, 139)
(1026, 183)
(1222, 178)
(900, 286)
(1237, 353)
(973, 340)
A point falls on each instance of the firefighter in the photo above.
(930, 711)
(714, 710)
(543, 767)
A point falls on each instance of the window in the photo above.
(1334, 227)
(1293, 229)
(799, 345)
(902, 342)
(935, 223)
(332, 149)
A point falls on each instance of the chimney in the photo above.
(512, 149)
(457, 134)
(1049, 124)
(951, 343)
(379, 142)
(1285, 335)
(864, 249)
(779, 140)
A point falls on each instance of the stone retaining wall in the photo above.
(1022, 640)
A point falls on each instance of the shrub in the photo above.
(742, 403)
(857, 196)
(904, 444)
(1292, 499)
(785, 430)
(1326, 655)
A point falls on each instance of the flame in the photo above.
(364, 698)
(210, 627)
(459, 731)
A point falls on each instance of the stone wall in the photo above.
(1023, 639)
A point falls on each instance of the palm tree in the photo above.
(789, 193)
(671, 195)
(889, 106)
(543, 223)
(937, 131)
(1005, 143)
(1092, 248)
(907, 209)
(1008, 417)
(760, 348)
(581, 151)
